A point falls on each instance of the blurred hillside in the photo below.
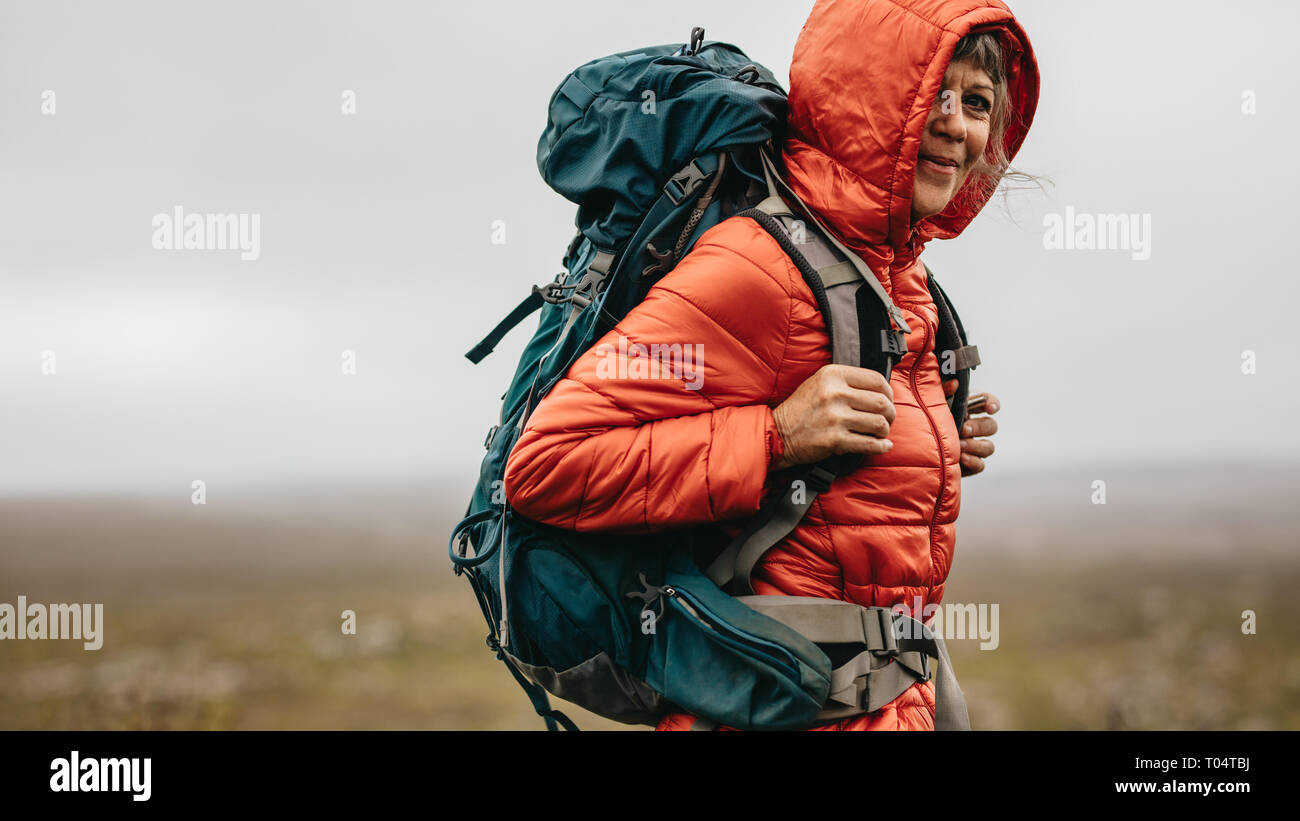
(227, 615)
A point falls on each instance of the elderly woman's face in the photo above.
(954, 138)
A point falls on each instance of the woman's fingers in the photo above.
(970, 465)
(863, 443)
(870, 424)
(862, 378)
(979, 426)
(991, 402)
(982, 448)
(871, 402)
(864, 433)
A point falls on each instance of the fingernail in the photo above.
(889, 445)
(966, 428)
(993, 407)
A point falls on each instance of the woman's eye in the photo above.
(978, 102)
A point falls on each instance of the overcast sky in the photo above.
(375, 231)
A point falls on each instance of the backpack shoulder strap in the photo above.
(854, 316)
(956, 357)
(857, 311)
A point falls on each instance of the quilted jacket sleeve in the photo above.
(637, 437)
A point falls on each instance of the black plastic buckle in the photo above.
(689, 180)
(491, 434)
(589, 285)
(553, 292)
(893, 341)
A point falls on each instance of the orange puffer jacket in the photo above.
(622, 444)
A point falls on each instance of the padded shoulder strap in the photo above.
(956, 358)
(865, 329)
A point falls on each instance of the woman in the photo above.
(902, 119)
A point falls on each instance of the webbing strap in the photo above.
(949, 701)
(530, 303)
(553, 718)
(838, 274)
(894, 657)
(866, 685)
(835, 273)
(967, 356)
(598, 271)
(778, 518)
(957, 358)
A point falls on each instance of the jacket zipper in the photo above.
(943, 461)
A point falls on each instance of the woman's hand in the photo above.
(839, 409)
(974, 450)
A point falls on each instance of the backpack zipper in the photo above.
(775, 654)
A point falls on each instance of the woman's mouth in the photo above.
(935, 164)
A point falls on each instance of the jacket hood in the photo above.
(863, 80)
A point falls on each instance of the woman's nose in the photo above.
(947, 119)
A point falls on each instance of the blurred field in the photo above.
(1118, 616)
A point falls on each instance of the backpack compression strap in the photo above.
(683, 185)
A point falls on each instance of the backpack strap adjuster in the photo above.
(967, 356)
(878, 629)
(552, 292)
(684, 183)
(893, 341)
(819, 479)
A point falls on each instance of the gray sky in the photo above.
(376, 228)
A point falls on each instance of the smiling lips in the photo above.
(938, 165)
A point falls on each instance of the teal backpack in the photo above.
(655, 147)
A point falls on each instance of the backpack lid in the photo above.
(620, 127)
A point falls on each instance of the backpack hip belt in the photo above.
(898, 652)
